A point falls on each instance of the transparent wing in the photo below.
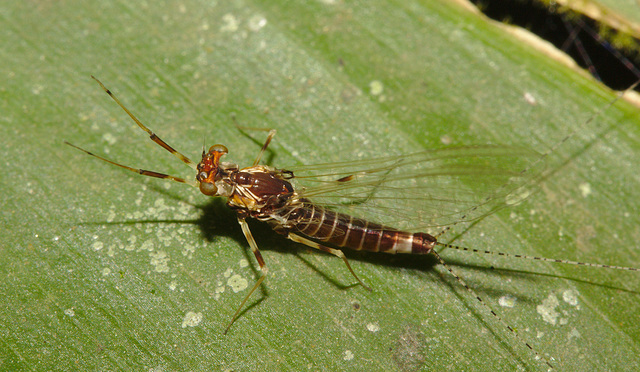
(424, 189)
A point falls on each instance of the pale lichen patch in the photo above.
(160, 261)
(191, 319)
(237, 283)
(97, 246)
(570, 296)
(507, 301)
(347, 355)
(548, 309)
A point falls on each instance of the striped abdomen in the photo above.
(343, 230)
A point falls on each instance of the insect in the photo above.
(441, 181)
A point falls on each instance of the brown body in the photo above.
(342, 230)
(265, 194)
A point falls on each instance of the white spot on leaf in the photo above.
(507, 301)
(517, 196)
(97, 246)
(571, 297)
(230, 23)
(257, 22)
(548, 309)
(160, 261)
(191, 319)
(237, 283)
(376, 87)
(348, 355)
(585, 189)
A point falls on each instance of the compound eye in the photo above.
(202, 176)
(218, 148)
(208, 189)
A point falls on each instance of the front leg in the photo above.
(272, 133)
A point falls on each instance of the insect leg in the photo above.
(263, 268)
(272, 133)
(336, 252)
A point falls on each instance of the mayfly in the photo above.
(270, 195)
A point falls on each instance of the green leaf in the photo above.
(101, 267)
